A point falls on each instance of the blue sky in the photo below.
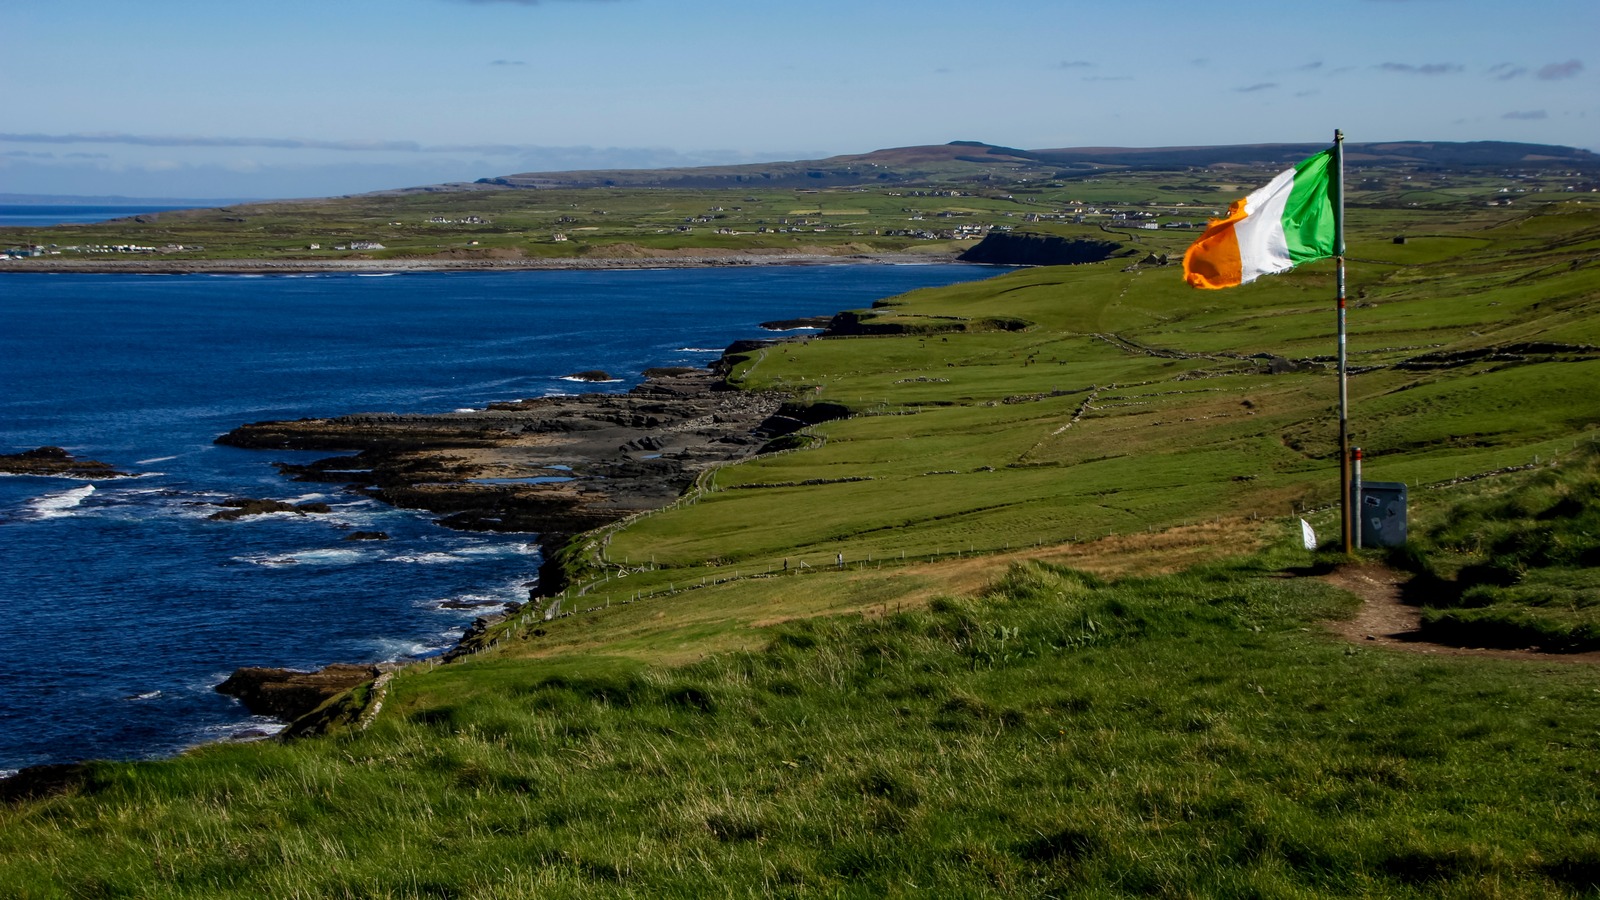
(205, 99)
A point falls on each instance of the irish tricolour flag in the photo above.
(1288, 222)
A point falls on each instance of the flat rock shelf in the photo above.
(555, 466)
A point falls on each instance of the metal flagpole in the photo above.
(1347, 513)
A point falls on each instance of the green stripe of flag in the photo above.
(1308, 217)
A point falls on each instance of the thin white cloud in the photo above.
(1423, 69)
(1531, 115)
(1259, 86)
(1558, 71)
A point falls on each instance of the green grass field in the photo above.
(1073, 648)
(630, 222)
(1189, 735)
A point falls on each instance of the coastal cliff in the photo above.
(1039, 249)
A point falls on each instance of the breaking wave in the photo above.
(54, 506)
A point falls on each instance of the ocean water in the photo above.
(13, 215)
(122, 605)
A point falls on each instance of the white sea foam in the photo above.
(258, 517)
(697, 350)
(147, 695)
(486, 600)
(255, 728)
(363, 505)
(591, 380)
(152, 460)
(498, 550)
(376, 274)
(208, 684)
(472, 603)
(330, 556)
(427, 559)
(53, 506)
(7, 773)
(399, 649)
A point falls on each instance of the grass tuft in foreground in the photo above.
(1193, 734)
(1517, 563)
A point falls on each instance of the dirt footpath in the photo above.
(1385, 619)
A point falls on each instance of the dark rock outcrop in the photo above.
(49, 780)
(887, 321)
(239, 508)
(1037, 249)
(554, 466)
(287, 694)
(58, 462)
(793, 324)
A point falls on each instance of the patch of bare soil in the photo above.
(1387, 620)
(1115, 556)
(1111, 557)
(1159, 553)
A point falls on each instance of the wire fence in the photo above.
(568, 603)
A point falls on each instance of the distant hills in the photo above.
(973, 160)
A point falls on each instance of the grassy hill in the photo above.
(931, 200)
(1032, 620)
(977, 161)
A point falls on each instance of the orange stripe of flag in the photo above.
(1213, 261)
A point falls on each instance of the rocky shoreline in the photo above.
(554, 466)
(56, 462)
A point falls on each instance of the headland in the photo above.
(555, 466)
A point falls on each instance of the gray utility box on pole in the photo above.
(1381, 511)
